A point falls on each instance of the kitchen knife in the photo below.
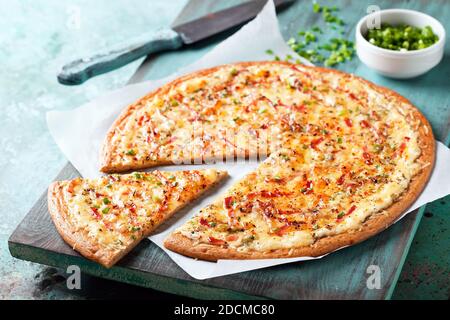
(80, 70)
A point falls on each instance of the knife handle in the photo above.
(80, 70)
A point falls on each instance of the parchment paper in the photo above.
(80, 132)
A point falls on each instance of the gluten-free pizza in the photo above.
(345, 157)
(105, 218)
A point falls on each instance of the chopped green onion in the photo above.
(402, 37)
(131, 152)
(137, 175)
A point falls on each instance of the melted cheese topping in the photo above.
(113, 211)
(340, 150)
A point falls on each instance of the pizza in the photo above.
(345, 157)
(104, 218)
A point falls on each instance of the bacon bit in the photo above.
(283, 230)
(264, 126)
(204, 222)
(264, 98)
(231, 237)
(179, 97)
(216, 241)
(140, 120)
(254, 103)
(98, 195)
(228, 202)
(72, 185)
(341, 179)
(348, 122)
(95, 213)
(349, 212)
(402, 148)
(309, 185)
(351, 95)
(352, 185)
(272, 194)
(367, 157)
(365, 124)
(268, 194)
(316, 142)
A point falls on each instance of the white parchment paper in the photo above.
(80, 132)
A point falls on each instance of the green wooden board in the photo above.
(341, 275)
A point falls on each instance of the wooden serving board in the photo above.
(341, 275)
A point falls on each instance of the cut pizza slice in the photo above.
(290, 208)
(104, 218)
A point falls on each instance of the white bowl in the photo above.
(397, 64)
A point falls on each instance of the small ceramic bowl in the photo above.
(397, 64)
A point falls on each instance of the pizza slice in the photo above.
(289, 207)
(104, 218)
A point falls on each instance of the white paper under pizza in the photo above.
(80, 132)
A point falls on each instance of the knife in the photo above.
(80, 70)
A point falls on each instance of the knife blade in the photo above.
(80, 70)
(215, 23)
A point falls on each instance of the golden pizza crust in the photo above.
(78, 239)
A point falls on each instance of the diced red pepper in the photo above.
(365, 124)
(204, 222)
(367, 157)
(348, 122)
(351, 95)
(95, 213)
(283, 230)
(316, 142)
(341, 179)
(228, 202)
(231, 237)
(402, 148)
(216, 241)
(350, 211)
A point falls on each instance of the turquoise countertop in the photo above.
(37, 38)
